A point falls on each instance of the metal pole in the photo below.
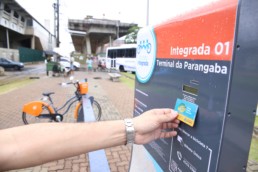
(57, 23)
(54, 6)
(147, 19)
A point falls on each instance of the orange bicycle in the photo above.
(41, 111)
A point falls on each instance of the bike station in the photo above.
(202, 63)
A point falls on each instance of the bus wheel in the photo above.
(121, 69)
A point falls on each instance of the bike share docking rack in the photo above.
(202, 63)
(97, 159)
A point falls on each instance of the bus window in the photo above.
(121, 53)
(127, 53)
(130, 53)
(134, 52)
(112, 53)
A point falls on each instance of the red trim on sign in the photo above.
(203, 34)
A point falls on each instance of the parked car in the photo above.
(7, 64)
(65, 63)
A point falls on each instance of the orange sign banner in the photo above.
(205, 34)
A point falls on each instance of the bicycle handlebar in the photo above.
(75, 83)
(68, 83)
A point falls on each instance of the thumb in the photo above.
(168, 115)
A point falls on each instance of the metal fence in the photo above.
(30, 55)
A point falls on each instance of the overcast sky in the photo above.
(130, 11)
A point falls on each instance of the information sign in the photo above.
(192, 63)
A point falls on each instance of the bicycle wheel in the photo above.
(30, 119)
(96, 110)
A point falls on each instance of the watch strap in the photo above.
(129, 129)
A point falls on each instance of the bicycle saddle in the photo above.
(48, 93)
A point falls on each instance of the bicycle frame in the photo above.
(35, 108)
(69, 102)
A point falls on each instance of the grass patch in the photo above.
(253, 154)
(128, 79)
(15, 85)
(129, 75)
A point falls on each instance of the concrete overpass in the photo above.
(90, 33)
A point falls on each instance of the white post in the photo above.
(147, 17)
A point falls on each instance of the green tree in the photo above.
(131, 37)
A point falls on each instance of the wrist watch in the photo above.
(129, 129)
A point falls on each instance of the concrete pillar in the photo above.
(7, 39)
(102, 48)
(32, 46)
(110, 41)
(88, 45)
(117, 31)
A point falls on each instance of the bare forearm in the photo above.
(39, 143)
(34, 144)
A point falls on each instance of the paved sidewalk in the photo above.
(115, 98)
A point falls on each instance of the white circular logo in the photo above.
(146, 54)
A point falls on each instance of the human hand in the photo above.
(152, 125)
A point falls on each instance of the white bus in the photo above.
(121, 58)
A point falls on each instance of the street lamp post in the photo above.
(56, 22)
(147, 16)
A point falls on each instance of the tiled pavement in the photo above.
(116, 100)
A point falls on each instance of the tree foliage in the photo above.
(131, 37)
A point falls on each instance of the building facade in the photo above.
(20, 29)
